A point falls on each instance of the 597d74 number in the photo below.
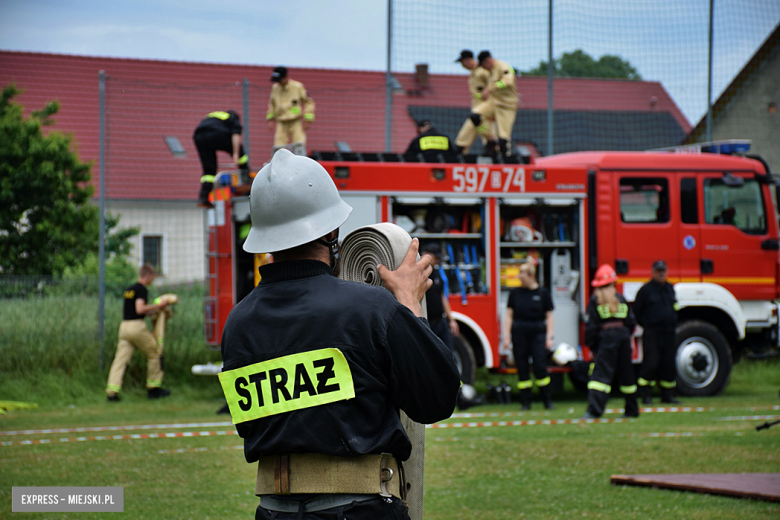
(475, 179)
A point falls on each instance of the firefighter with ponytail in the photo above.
(529, 329)
(610, 323)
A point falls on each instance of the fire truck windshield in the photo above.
(741, 206)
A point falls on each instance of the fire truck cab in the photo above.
(710, 216)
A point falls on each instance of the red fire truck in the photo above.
(711, 216)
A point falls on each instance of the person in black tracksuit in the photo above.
(430, 143)
(610, 323)
(439, 312)
(655, 307)
(529, 314)
(218, 131)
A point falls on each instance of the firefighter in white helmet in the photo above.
(608, 329)
(316, 368)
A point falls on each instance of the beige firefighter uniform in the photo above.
(134, 334)
(478, 80)
(289, 105)
(500, 105)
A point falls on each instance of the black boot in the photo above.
(157, 393)
(667, 396)
(507, 393)
(504, 148)
(491, 148)
(525, 399)
(632, 409)
(203, 196)
(646, 392)
(597, 402)
(546, 397)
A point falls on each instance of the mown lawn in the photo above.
(535, 471)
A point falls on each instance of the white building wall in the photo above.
(181, 226)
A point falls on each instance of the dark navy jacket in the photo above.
(655, 306)
(395, 360)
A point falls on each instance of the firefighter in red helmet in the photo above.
(610, 323)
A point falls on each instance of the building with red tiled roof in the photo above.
(147, 101)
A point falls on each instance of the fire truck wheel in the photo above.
(703, 359)
(464, 359)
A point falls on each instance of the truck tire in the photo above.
(464, 359)
(703, 360)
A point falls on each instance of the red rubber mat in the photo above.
(759, 486)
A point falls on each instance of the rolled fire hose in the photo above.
(160, 317)
(361, 251)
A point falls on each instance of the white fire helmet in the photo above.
(293, 201)
(565, 353)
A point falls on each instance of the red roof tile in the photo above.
(147, 100)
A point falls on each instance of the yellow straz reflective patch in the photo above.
(220, 115)
(287, 383)
(434, 142)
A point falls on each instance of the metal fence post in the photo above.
(709, 77)
(245, 92)
(102, 235)
(550, 79)
(389, 80)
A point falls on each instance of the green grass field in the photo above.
(534, 471)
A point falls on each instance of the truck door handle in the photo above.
(770, 244)
(707, 267)
(621, 266)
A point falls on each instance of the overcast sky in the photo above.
(666, 40)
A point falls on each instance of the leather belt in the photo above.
(613, 325)
(314, 473)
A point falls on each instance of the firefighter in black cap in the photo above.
(500, 103)
(218, 131)
(479, 79)
(430, 142)
(656, 308)
(290, 111)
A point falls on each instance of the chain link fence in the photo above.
(152, 169)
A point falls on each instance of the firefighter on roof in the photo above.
(500, 103)
(430, 142)
(656, 307)
(479, 79)
(290, 111)
(218, 131)
(610, 323)
(133, 334)
(316, 368)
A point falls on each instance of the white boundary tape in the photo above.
(750, 418)
(666, 409)
(120, 428)
(454, 416)
(177, 435)
(524, 423)
(135, 436)
(190, 450)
